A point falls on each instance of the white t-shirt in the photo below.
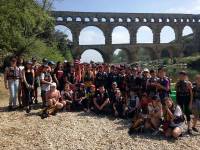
(177, 113)
(44, 86)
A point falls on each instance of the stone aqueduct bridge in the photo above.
(76, 21)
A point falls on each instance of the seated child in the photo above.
(53, 99)
(119, 104)
(133, 103)
(67, 96)
(154, 119)
(90, 96)
(101, 101)
(80, 101)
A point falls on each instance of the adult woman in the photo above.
(11, 80)
(20, 64)
(173, 119)
(28, 85)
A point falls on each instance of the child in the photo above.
(101, 101)
(67, 96)
(79, 97)
(90, 97)
(132, 104)
(119, 104)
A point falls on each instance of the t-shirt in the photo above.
(177, 113)
(13, 73)
(133, 102)
(67, 95)
(46, 77)
(196, 93)
(101, 97)
(165, 83)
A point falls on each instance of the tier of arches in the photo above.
(122, 55)
(118, 56)
(128, 19)
(93, 35)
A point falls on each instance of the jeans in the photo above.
(13, 89)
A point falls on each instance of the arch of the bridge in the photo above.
(106, 22)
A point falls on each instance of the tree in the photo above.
(25, 25)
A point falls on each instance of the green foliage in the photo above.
(27, 29)
(40, 50)
(120, 57)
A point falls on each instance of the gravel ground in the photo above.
(77, 130)
(73, 130)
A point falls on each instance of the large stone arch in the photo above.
(148, 53)
(106, 57)
(127, 51)
(144, 34)
(91, 53)
(91, 36)
(65, 30)
(187, 29)
(120, 33)
(167, 31)
(173, 51)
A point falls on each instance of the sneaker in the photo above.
(36, 101)
(28, 110)
(155, 132)
(10, 108)
(189, 131)
(195, 129)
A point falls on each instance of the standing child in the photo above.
(46, 80)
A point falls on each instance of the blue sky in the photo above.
(134, 6)
(146, 6)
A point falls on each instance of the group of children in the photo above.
(123, 91)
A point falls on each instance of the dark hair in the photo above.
(183, 73)
(152, 71)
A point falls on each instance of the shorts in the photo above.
(37, 82)
(43, 93)
(196, 107)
